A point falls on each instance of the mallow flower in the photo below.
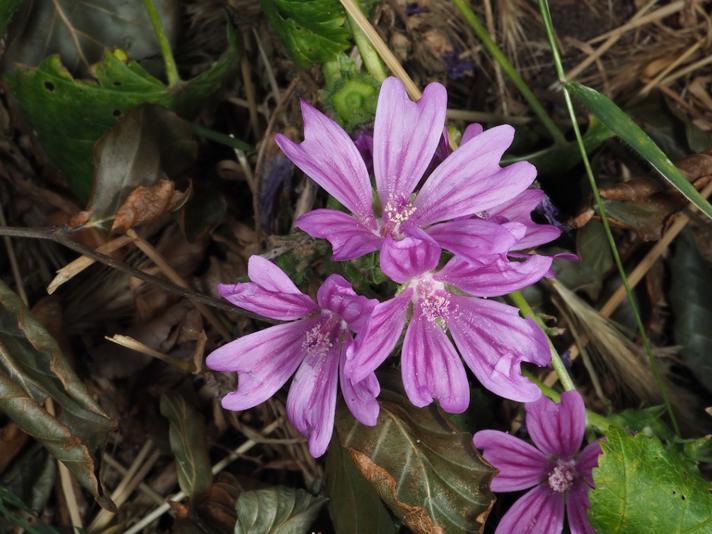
(406, 136)
(559, 475)
(491, 337)
(313, 344)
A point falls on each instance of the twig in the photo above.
(60, 236)
(222, 464)
(247, 82)
(658, 14)
(667, 70)
(176, 278)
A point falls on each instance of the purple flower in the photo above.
(559, 474)
(406, 136)
(490, 336)
(313, 345)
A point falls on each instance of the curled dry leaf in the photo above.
(147, 203)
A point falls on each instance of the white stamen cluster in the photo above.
(562, 477)
(318, 341)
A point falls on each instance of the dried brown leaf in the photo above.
(147, 203)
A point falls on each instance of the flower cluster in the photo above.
(452, 228)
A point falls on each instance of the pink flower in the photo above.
(491, 337)
(313, 345)
(406, 135)
(559, 474)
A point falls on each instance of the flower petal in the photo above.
(405, 136)
(348, 237)
(493, 340)
(330, 158)
(264, 360)
(577, 505)
(472, 131)
(360, 397)
(557, 428)
(337, 295)
(496, 277)
(539, 511)
(270, 294)
(471, 180)
(473, 238)
(587, 460)
(415, 254)
(311, 402)
(520, 465)
(519, 209)
(379, 338)
(431, 368)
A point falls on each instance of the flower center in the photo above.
(320, 339)
(562, 477)
(434, 300)
(396, 212)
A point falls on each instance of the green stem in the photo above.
(546, 15)
(171, 68)
(370, 57)
(520, 302)
(593, 419)
(510, 71)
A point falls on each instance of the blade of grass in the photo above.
(497, 54)
(625, 128)
(549, 26)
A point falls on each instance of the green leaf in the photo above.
(426, 471)
(148, 142)
(7, 10)
(354, 505)
(70, 115)
(648, 421)
(278, 510)
(691, 303)
(641, 488)
(187, 438)
(312, 31)
(625, 128)
(33, 370)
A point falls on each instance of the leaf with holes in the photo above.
(625, 128)
(70, 115)
(34, 371)
(187, 439)
(277, 510)
(643, 487)
(425, 470)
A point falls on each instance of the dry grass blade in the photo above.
(134, 344)
(382, 48)
(75, 267)
(615, 349)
